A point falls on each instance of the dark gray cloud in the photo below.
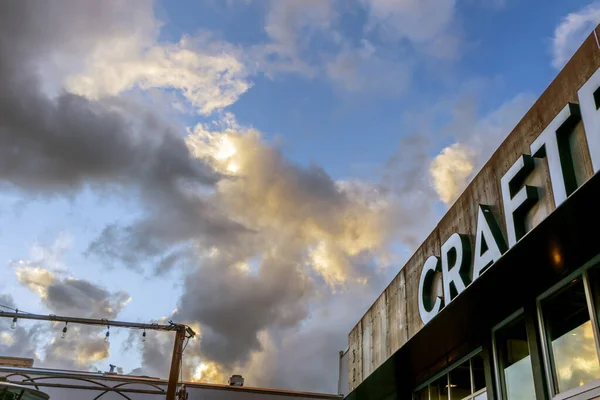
(62, 143)
(233, 306)
(83, 345)
(66, 141)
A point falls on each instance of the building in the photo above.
(501, 300)
(73, 385)
(16, 362)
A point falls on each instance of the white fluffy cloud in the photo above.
(572, 31)
(210, 74)
(451, 169)
(454, 167)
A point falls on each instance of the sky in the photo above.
(257, 169)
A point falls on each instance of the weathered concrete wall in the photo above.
(394, 317)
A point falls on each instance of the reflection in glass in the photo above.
(478, 373)
(594, 278)
(570, 336)
(438, 390)
(460, 381)
(515, 363)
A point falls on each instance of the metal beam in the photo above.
(98, 322)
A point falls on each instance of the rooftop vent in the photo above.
(236, 380)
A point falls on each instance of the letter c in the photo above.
(428, 308)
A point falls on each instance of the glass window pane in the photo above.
(478, 373)
(570, 337)
(515, 363)
(438, 390)
(482, 396)
(460, 381)
(422, 394)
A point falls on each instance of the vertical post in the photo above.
(535, 343)
(341, 354)
(176, 363)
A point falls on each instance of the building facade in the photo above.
(501, 300)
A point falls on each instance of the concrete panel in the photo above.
(379, 332)
(353, 356)
(367, 343)
(412, 269)
(397, 332)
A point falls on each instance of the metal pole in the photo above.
(176, 362)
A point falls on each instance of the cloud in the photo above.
(572, 31)
(48, 257)
(450, 171)
(427, 24)
(71, 296)
(296, 27)
(306, 233)
(365, 69)
(476, 138)
(83, 345)
(18, 342)
(291, 26)
(209, 74)
(286, 20)
(63, 143)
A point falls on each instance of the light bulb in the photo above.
(14, 323)
(64, 331)
(106, 338)
(144, 336)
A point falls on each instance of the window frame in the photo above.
(499, 379)
(446, 371)
(549, 367)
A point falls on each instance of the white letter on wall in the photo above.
(589, 103)
(553, 144)
(517, 201)
(428, 308)
(456, 258)
(489, 243)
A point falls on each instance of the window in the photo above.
(464, 381)
(571, 346)
(422, 394)
(478, 373)
(438, 390)
(594, 279)
(514, 370)
(460, 381)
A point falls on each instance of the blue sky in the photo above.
(369, 112)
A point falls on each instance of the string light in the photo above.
(106, 338)
(14, 321)
(144, 336)
(64, 331)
